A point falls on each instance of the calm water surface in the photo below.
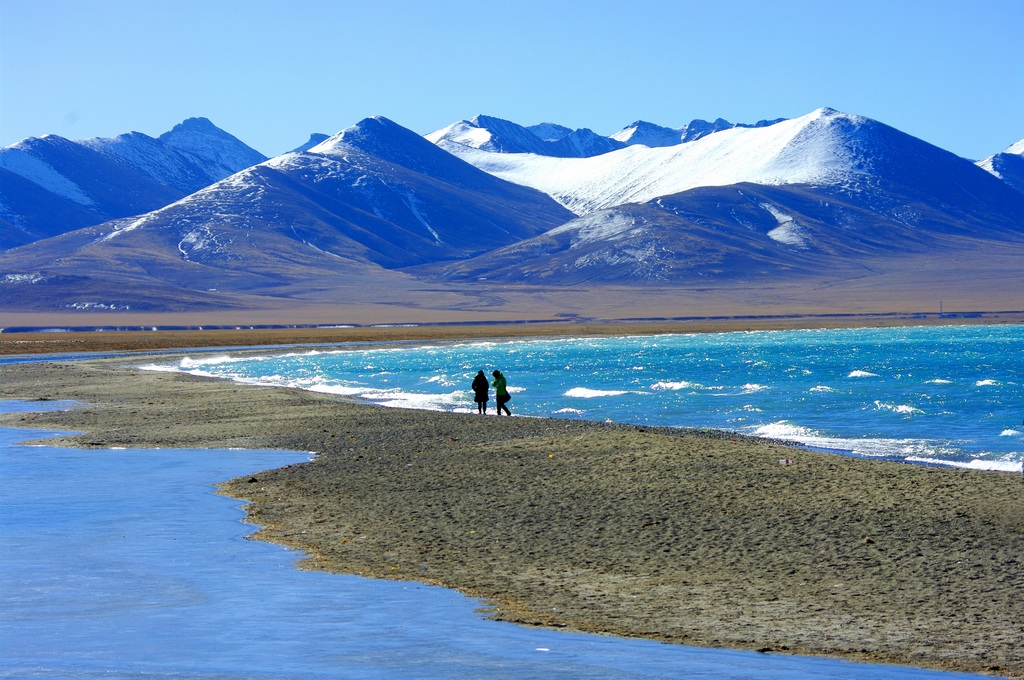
(125, 564)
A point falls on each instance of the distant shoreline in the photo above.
(75, 338)
(683, 536)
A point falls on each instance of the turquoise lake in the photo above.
(951, 395)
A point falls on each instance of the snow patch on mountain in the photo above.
(788, 232)
(463, 132)
(604, 226)
(21, 161)
(198, 240)
(130, 225)
(1007, 165)
(988, 165)
(414, 207)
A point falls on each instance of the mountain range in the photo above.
(49, 185)
(195, 219)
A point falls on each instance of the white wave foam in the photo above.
(587, 393)
(680, 385)
(995, 465)
(821, 388)
(783, 429)
(310, 353)
(750, 388)
(1011, 433)
(426, 402)
(987, 383)
(862, 374)
(336, 389)
(916, 450)
(163, 368)
(938, 381)
(897, 408)
(188, 363)
(576, 411)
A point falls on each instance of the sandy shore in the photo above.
(699, 538)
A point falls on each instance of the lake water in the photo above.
(947, 395)
(125, 564)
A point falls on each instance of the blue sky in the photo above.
(272, 72)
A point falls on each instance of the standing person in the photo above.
(501, 392)
(480, 392)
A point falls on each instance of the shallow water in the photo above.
(949, 395)
(125, 564)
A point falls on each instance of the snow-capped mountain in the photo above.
(649, 134)
(502, 136)
(50, 185)
(220, 152)
(808, 150)
(373, 197)
(377, 208)
(549, 132)
(773, 200)
(488, 133)
(1008, 165)
(824, 147)
(747, 232)
(157, 160)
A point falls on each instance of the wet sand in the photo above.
(690, 537)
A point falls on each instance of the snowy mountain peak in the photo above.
(501, 136)
(204, 141)
(647, 134)
(464, 132)
(821, 147)
(196, 125)
(389, 141)
(550, 132)
(370, 135)
(496, 134)
(36, 159)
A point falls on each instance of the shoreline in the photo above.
(141, 340)
(691, 537)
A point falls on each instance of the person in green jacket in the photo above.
(500, 392)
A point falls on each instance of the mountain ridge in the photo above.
(290, 226)
(95, 180)
(828, 194)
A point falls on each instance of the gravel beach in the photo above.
(694, 537)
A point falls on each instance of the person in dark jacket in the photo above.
(501, 395)
(480, 392)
